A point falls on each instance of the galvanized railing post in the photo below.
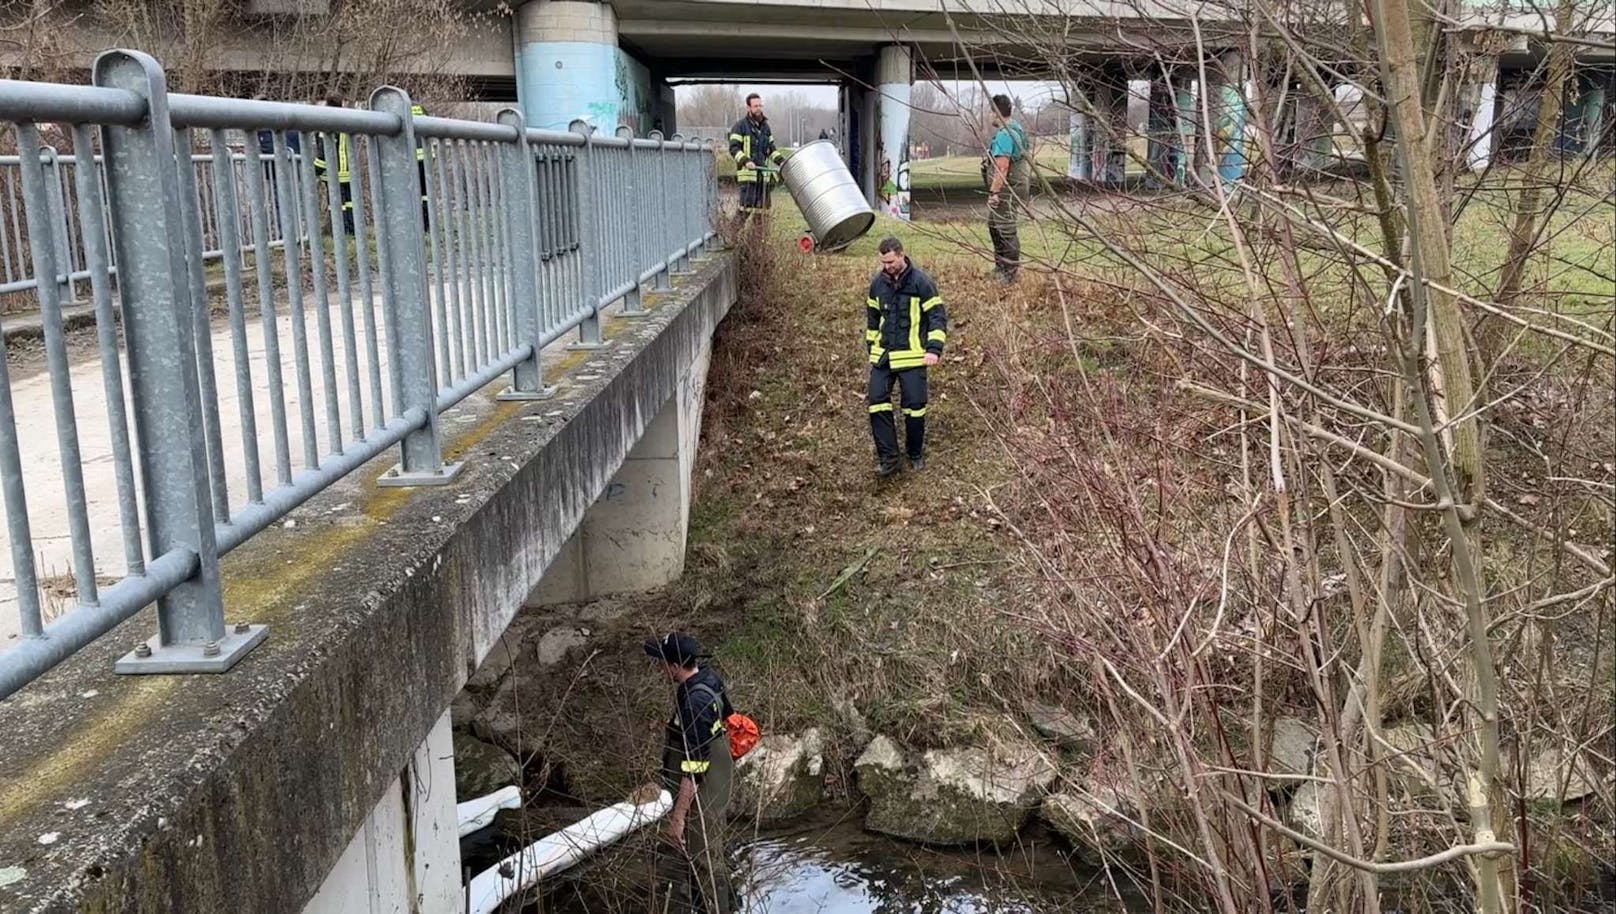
(633, 300)
(681, 257)
(589, 331)
(60, 241)
(516, 173)
(399, 236)
(149, 232)
(664, 277)
(692, 195)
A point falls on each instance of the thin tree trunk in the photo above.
(1436, 312)
(1428, 229)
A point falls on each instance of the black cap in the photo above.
(674, 647)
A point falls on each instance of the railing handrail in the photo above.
(437, 254)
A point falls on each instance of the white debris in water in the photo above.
(89, 694)
(77, 804)
(11, 875)
(50, 837)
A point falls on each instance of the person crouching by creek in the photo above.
(906, 329)
(693, 872)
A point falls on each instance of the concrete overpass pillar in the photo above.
(894, 82)
(1085, 136)
(566, 63)
(1111, 133)
(633, 537)
(1171, 127)
(1314, 140)
(1480, 99)
(1585, 122)
(1226, 101)
(1080, 153)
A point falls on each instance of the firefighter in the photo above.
(907, 327)
(344, 159)
(751, 143)
(692, 872)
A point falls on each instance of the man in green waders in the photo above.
(1009, 184)
(693, 871)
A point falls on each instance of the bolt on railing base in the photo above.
(151, 657)
(399, 478)
(511, 394)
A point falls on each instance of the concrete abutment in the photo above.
(633, 537)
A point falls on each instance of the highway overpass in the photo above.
(612, 62)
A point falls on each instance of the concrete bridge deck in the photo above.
(241, 792)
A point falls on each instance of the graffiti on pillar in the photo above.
(892, 150)
(1078, 164)
(633, 93)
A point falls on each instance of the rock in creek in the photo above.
(1097, 820)
(783, 777)
(952, 796)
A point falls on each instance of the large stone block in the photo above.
(979, 794)
(784, 776)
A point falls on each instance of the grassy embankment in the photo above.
(822, 589)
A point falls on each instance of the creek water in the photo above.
(830, 864)
(826, 863)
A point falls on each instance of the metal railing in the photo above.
(63, 220)
(450, 253)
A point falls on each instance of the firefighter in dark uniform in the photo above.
(693, 873)
(751, 143)
(906, 331)
(345, 160)
(322, 166)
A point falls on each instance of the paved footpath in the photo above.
(31, 398)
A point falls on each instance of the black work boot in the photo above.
(917, 463)
(886, 466)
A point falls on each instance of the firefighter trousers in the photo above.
(695, 878)
(912, 399)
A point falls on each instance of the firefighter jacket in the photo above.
(344, 155)
(906, 319)
(753, 141)
(345, 150)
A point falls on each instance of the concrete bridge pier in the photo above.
(1111, 136)
(566, 63)
(1479, 103)
(1227, 105)
(894, 81)
(633, 537)
(1171, 126)
(406, 856)
(1309, 138)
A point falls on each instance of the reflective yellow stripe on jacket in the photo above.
(914, 355)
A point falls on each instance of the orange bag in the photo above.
(743, 734)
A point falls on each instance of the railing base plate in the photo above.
(189, 658)
(587, 347)
(509, 394)
(399, 478)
